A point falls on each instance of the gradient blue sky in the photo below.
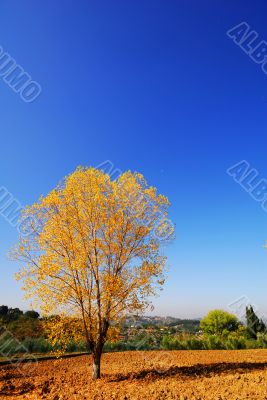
(157, 87)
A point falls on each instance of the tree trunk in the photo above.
(97, 349)
(96, 364)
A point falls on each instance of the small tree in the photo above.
(31, 314)
(254, 324)
(94, 250)
(218, 322)
(3, 312)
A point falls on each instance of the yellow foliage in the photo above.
(93, 253)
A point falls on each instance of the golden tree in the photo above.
(93, 252)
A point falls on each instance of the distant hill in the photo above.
(188, 325)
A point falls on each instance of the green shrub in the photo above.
(9, 346)
(233, 343)
(38, 345)
(262, 340)
(194, 343)
(173, 343)
(213, 342)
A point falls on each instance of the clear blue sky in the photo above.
(157, 87)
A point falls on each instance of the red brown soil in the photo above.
(159, 375)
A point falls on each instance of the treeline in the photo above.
(22, 332)
(222, 331)
(8, 315)
(217, 330)
(21, 325)
(188, 341)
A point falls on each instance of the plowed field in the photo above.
(181, 375)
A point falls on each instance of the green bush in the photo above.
(262, 340)
(173, 343)
(233, 343)
(194, 343)
(9, 346)
(118, 346)
(74, 347)
(38, 345)
(213, 342)
(219, 322)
